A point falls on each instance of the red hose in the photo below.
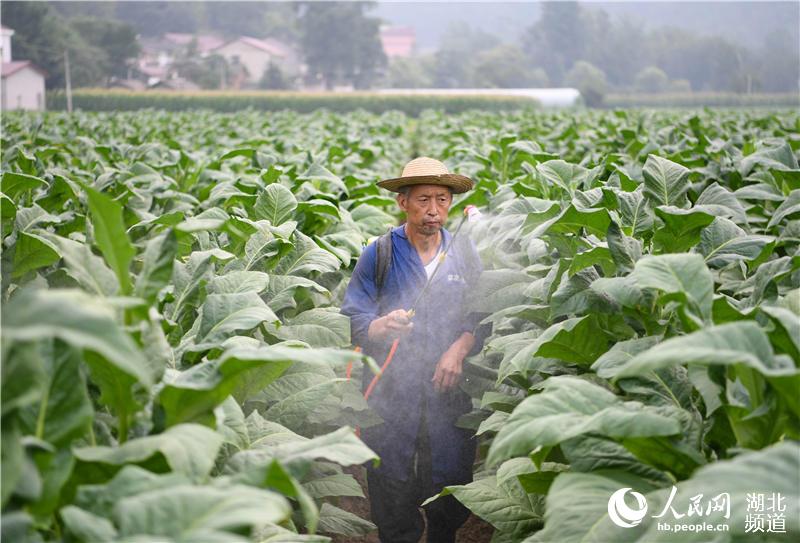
(383, 368)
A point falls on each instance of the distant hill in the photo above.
(747, 23)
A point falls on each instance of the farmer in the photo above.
(418, 396)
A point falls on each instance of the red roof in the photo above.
(398, 41)
(10, 68)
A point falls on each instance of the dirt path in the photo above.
(474, 530)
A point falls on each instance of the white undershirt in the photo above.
(432, 264)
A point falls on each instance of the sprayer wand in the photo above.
(471, 213)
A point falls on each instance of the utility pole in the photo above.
(67, 81)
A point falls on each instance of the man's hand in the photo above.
(448, 370)
(394, 325)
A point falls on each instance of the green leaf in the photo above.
(319, 327)
(198, 513)
(505, 506)
(189, 279)
(14, 184)
(32, 252)
(333, 520)
(723, 242)
(275, 204)
(665, 182)
(682, 277)
(111, 236)
(341, 446)
(88, 269)
(81, 320)
(87, 526)
(222, 315)
(788, 208)
(193, 394)
(277, 478)
(157, 264)
(568, 407)
(189, 449)
(306, 257)
(721, 202)
(681, 228)
(637, 217)
(768, 471)
(237, 282)
(338, 484)
(64, 410)
(577, 507)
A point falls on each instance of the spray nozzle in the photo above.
(472, 213)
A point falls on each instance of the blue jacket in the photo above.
(438, 321)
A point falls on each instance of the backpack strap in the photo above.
(383, 260)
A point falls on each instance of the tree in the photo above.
(116, 39)
(505, 66)
(557, 39)
(341, 44)
(589, 80)
(42, 37)
(651, 79)
(457, 53)
(411, 73)
(273, 78)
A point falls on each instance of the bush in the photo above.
(651, 79)
(590, 80)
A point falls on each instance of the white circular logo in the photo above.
(622, 515)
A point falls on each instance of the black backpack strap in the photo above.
(383, 260)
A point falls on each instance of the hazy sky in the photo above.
(742, 22)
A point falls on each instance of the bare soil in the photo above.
(474, 529)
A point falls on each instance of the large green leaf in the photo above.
(723, 242)
(157, 263)
(222, 315)
(64, 410)
(681, 228)
(88, 269)
(333, 520)
(568, 407)
(81, 320)
(306, 257)
(193, 394)
(111, 236)
(319, 327)
(32, 252)
(578, 503)
(14, 184)
(189, 449)
(665, 182)
(683, 277)
(506, 506)
(198, 513)
(275, 204)
(577, 507)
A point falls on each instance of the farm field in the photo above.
(174, 360)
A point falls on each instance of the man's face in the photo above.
(426, 207)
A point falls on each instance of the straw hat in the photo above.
(427, 171)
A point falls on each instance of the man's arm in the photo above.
(361, 305)
(361, 297)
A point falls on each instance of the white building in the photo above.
(555, 97)
(22, 84)
(255, 55)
